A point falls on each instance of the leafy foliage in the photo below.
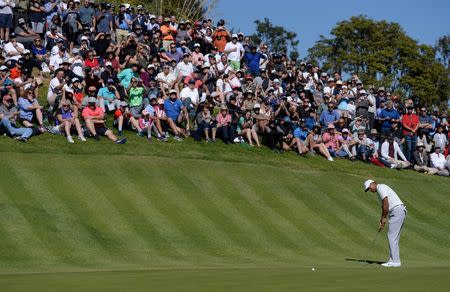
(381, 53)
(277, 38)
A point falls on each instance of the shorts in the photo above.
(235, 65)
(6, 21)
(100, 129)
(136, 111)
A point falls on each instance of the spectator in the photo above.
(6, 18)
(387, 117)
(94, 117)
(438, 161)
(123, 116)
(421, 160)
(175, 111)
(425, 126)
(410, 123)
(235, 52)
(8, 114)
(390, 154)
(30, 111)
(329, 116)
(439, 138)
(315, 143)
(206, 125)
(67, 120)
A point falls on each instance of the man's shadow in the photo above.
(365, 261)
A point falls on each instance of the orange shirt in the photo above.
(220, 40)
(88, 112)
(411, 121)
(167, 33)
(15, 73)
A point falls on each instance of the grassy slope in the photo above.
(99, 206)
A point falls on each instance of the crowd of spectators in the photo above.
(168, 79)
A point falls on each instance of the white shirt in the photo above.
(55, 61)
(385, 191)
(223, 87)
(184, 69)
(169, 78)
(52, 87)
(438, 160)
(192, 94)
(235, 55)
(440, 140)
(9, 48)
(7, 6)
(397, 151)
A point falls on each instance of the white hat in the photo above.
(108, 64)
(26, 52)
(330, 79)
(257, 105)
(3, 67)
(234, 36)
(75, 79)
(367, 184)
(276, 81)
(197, 45)
(362, 92)
(339, 82)
(84, 38)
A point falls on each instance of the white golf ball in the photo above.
(313, 269)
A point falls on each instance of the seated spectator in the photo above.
(67, 121)
(390, 154)
(246, 129)
(438, 161)
(123, 116)
(25, 34)
(94, 118)
(206, 125)
(337, 145)
(30, 111)
(176, 114)
(314, 142)
(13, 49)
(347, 143)
(8, 114)
(7, 84)
(365, 147)
(421, 160)
(108, 96)
(224, 126)
(297, 139)
(55, 88)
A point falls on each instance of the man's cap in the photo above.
(21, 21)
(276, 81)
(330, 79)
(92, 99)
(3, 68)
(419, 144)
(257, 105)
(108, 64)
(197, 45)
(12, 36)
(26, 51)
(367, 184)
(139, 7)
(66, 62)
(111, 81)
(84, 38)
(234, 36)
(59, 41)
(75, 51)
(345, 130)
(362, 92)
(339, 82)
(172, 91)
(359, 82)
(381, 88)
(374, 131)
(53, 27)
(150, 66)
(205, 66)
(324, 74)
(330, 126)
(152, 96)
(75, 79)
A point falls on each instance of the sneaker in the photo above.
(392, 264)
(167, 135)
(236, 140)
(177, 138)
(208, 140)
(121, 141)
(70, 139)
(21, 139)
(54, 130)
(330, 158)
(82, 138)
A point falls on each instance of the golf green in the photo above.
(197, 217)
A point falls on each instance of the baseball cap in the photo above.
(84, 38)
(111, 81)
(26, 51)
(257, 105)
(152, 96)
(75, 79)
(3, 68)
(381, 89)
(92, 99)
(172, 91)
(345, 130)
(362, 92)
(197, 45)
(75, 51)
(234, 36)
(331, 126)
(276, 81)
(330, 79)
(21, 21)
(108, 64)
(367, 184)
(339, 82)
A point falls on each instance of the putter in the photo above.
(371, 246)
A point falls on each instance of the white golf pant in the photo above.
(397, 217)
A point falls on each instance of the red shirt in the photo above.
(97, 112)
(411, 121)
(93, 64)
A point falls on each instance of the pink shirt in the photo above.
(331, 141)
(223, 120)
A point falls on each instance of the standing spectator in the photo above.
(387, 117)
(425, 126)
(87, 15)
(253, 60)
(71, 24)
(410, 123)
(104, 18)
(235, 52)
(6, 18)
(329, 116)
(123, 23)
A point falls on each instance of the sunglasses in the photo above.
(92, 91)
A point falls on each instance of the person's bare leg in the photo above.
(77, 124)
(27, 124)
(111, 136)
(39, 117)
(13, 94)
(206, 132)
(248, 135)
(135, 124)
(120, 123)
(67, 127)
(324, 150)
(255, 137)
(173, 126)
(213, 134)
(158, 126)
(90, 126)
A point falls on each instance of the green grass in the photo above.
(190, 216)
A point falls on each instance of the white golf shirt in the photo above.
(385, 191)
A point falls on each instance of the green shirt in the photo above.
(135, 96)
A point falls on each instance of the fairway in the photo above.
(203, 217)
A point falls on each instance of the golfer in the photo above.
(391, 205)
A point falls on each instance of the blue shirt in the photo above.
(125, 76)
(328, 117)
(106, 94)
(310, 122)
(300, 133)
(389, 114)
(173, 108)
(149, 109)
(123, 24)
(252, 60)
(24, 113)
